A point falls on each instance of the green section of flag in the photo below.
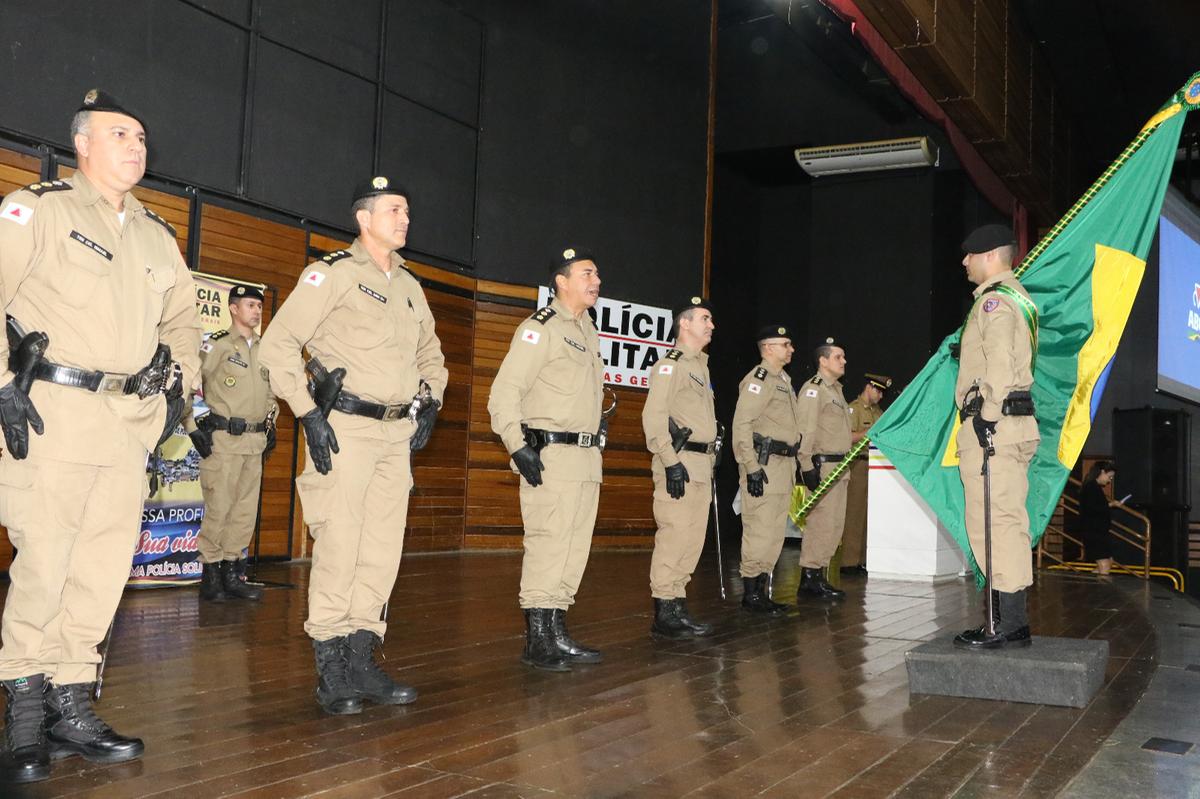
(1119, 211)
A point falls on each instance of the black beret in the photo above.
(695, 301)
(773, 331)
(987, 238)
(828, 342)
(881, 382)
(377, 186)
(97, 100)
(241, 292)
(568, 256)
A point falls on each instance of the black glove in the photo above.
(425, 419)
(321, 439)
(982, 430)
(17, 415)
(202, 441)
(529, 464)
(176, 408)
(270, 441)
(755, 482)
(677, 477)
(812, 478)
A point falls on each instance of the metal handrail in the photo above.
(1123, 532)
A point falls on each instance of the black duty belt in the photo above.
(96, 382)
(348, 403)
(235, 426)
(695, 446)
(1017, 403)
(835, 457)
(780, 448)
(542, 438)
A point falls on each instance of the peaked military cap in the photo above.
(568, 256)
(695, 301)
(881, 382)
(99, 100)
(774, 331)
(240, 292)
(988, 238)
(377, 186)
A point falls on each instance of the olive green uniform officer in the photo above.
(765, 439)
(825, 428)
(680, 423)
(545, 405)
(864, 412)
(364, 319)
(995, 376)
(232, 439)
(85, 263)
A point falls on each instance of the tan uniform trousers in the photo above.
(230, 483)
(559, 517)
(356, 514)
(1012, 562)
(764, 525)
(75, 528)
(682, 524)
(854, 533)
(823, 526)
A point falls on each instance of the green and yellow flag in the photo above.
(1083, 277)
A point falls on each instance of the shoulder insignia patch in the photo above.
(155, 217)
(543, 315)
(336, 256)
(674, 355)
(816, 381)
(760, 373)
(47, 186)
(220, 334)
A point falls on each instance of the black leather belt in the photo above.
(541, 438)
(348, 403)
(96, 382)
(235, 426)
(832, 458)
(786, 450)
(695, 446)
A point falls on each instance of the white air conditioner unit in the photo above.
(867, 156)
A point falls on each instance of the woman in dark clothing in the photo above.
(1095, 516)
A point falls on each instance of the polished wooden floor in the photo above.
(815, 704)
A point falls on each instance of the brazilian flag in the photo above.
(1083, 277)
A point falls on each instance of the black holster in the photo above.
(679, 435)
(324, 386)
(1017, 403)
(25, 352)
(762, 448)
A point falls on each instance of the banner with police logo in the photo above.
(166, 551)
(632, 338)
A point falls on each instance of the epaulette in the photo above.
(816, 381)
(336, 256)
(160, 221)
(218, 335)
(543, 314)
(760, 373)
(47, 186)
(674, 355)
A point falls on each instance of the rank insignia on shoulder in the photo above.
(155, 217)
(220, 334)
(760, 373)
(543, 314)
(816, 381)
(674, 355)
(47, 186)
(336, 256)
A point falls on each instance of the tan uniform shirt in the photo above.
(862, 416)
(766, 405)
(349, 314)
(825, 420)
(681, 389)
(236, 385)
(552, 378)
(996, 354)
(106, 292)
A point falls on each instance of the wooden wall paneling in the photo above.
(244, 247)
(982, 112)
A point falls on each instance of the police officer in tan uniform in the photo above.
(864, 412)
(825, 427)
(680, 422)
(995, 376)
(86, 265)
(370, 398)
(233, 438)
(545, 405)
(766, 438)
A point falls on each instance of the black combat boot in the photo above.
(541, 650)
(211, 587)
(667, 623)
(571, 649)
(813, 584)
(756, 596)
(335, 694)
(73, 728)
(26, 756)
(699, 628)
(368, 679)
(233, 585)
(1010, 622)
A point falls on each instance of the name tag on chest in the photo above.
(696, 380)
(91, 245)
(236, 361)
(576, 345)
(375, 295)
